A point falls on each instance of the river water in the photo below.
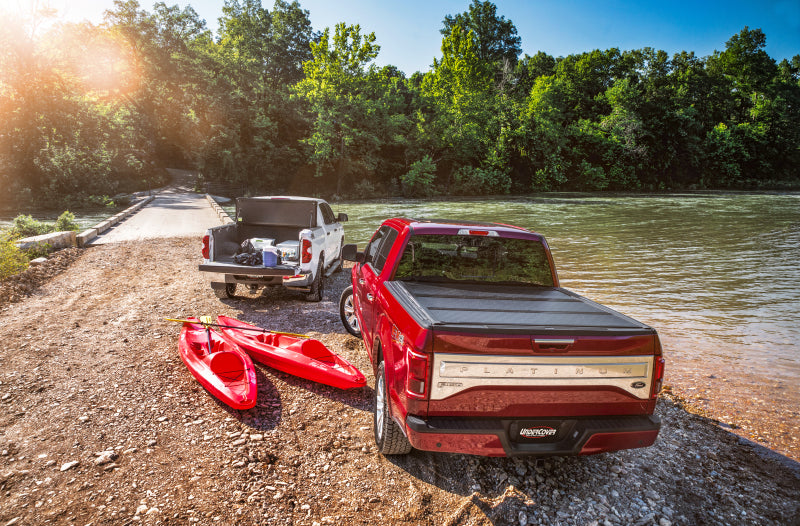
(718, 275)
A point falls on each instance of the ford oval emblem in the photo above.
(638, 385)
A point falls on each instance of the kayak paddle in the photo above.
(259, 329)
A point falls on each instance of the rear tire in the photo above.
(228, 292)
(388, 435)
(318, 285)
(347, 312)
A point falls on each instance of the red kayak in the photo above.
(306, 358)
(219, 364)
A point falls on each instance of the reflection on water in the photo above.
(716, 275)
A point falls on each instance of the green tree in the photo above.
(251, 126)
(496, 39)
(542, 139)
(461, 96)
(345, 115)
(419, 180)
(531, 68)
(272, 46)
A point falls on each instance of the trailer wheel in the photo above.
(347, 312)
(388, 436)
(318, 285)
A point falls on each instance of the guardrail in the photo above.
(222, 214)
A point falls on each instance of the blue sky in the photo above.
(408, 31)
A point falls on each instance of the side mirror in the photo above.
(342, 217)
(351, 253)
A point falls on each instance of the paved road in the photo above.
(174, 212)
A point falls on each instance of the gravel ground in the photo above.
(101, 423)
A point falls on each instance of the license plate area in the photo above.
(539, 431)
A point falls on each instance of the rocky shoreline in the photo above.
(101, 423)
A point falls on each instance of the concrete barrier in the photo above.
(86, 237)
(103, 226)
(222, 214)
(55, 240)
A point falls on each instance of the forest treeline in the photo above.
(269, 104)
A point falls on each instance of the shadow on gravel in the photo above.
(696, 473)
(768, 454)
(355, 398)
(268, 412)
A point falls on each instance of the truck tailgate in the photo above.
(245, 270)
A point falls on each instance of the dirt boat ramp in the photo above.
(101, 423)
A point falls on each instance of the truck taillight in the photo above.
(658, 376)
(306, 251)
(658, 372)
(417, 374)
(206, 251)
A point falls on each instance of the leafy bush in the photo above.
(419, 179)
(26, 226)
(122, 199)
(480, 181)
(12, 260)
(71, 165)
(101, 200)
(40, 250)
(590, 177)
(65, 222)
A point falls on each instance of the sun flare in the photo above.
(99, 62)
(106, 66)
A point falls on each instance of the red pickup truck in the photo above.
(476, 349)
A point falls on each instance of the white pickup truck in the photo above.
(302, 235)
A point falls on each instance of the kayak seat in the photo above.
(198, 344)
(227, 365)
(197, 347)
(216, 345)
(316, 350)
(269, 338)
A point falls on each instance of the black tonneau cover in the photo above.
(512, 309)
(276, 211)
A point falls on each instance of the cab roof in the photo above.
(444, 226)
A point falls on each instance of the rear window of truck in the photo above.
(438, 257)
